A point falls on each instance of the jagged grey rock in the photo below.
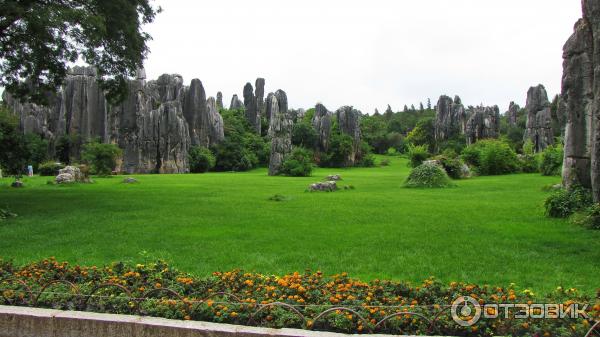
(70, 171)
(64, 178)
(580, 101)
(259, 94)
(214, 123)
(194, 109)
(219, 100)
(539, 118)
(251, 107)
(235, 103)
(325, 186)
(450, 118)
(322, 124)
(280, 131)
(349, 123)
(484, 122)
(512, 115)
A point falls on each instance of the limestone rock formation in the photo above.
(450, 118)
(512, 114)
(539, 118)
(259, 94)
(235, 103)
(580, 101)
(280, 131)
(194, 108)
(251, 107)
(322, 123)
(219, 100)
(483, 122)
(348, 120)
(214, 123)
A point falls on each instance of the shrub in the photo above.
(551, 160)
(298, 163)
(452, 166)
(304, 135)
(50, 168)
(563, 202)
(589, 218)
(340, 148)
(528, 163)
(428, 175)
(417, 154)
(201, 159)
(102, 157)
(491, 157)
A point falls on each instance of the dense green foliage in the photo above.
(588, 218)
(200, 159)
(417, 154)
(40, 38)
(451, 164)
(491, 157)
(242, 148)
(304, 135)
(102, 157)
(221, 219)
(299, 163)
(564, 202)
(340, 148)
(428, 175)
(18, 150)
(50, 168)
(551, 160)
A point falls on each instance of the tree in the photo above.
(304, 135)
(102, 157)
(201, 159)
(39, 38)
(13, 152)
(429, 104)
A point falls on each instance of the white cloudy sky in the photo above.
(366, 53)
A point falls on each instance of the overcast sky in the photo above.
(366, 53)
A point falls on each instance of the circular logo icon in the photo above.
(466, 311)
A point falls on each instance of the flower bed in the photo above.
(309, 300)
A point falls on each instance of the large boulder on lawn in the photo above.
(75, 172)
(65, 178)
(326, 186)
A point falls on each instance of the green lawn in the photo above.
(486, 230)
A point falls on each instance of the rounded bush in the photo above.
(428, 175)
(201, 159)
(417, 154)
(298, 163)
(453, 166)
(50, 169)
(563, 203)
(491, 157)
(551, 161)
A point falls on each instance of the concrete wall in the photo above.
(33, 322)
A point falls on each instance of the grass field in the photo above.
(486, 230)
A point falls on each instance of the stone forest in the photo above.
(174, 210)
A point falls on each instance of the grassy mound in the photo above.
(429, 176)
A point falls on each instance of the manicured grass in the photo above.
(485, 230)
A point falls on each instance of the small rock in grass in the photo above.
(334, 177)
(278, 197)
(17, 184)
(130, 180)
(326, 186)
